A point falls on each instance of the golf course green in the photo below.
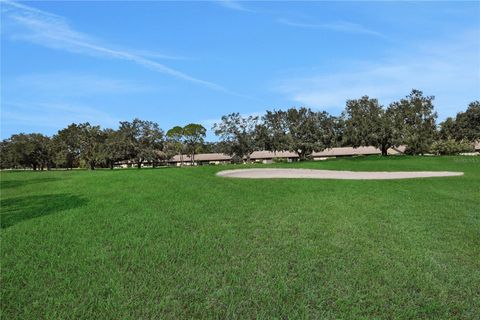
(177, 243)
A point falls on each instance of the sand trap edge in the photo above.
(277, 173)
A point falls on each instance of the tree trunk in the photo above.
(92, 165)
(384, 150)
(111, 165)
(139, 164)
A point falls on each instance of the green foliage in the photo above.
(238, 134)
(273, 133)
(194, 135)
(110, 150)
(185, 244)
(465, 126)
(300, 130)
(175, 142)
(67, 146)
(367, 123)
(92, 139)
(141, 141)
(414, 122)
(410, 122)
(308, 131)
(451, 147)
(22, 150)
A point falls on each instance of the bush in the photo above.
(236, 159)
(450, 147)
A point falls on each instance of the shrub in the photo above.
(237, 159)
(450, 147)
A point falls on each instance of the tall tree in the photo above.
(175, 140)
(7, 155)
(448, 129)
(307, 131)
(464, 127)
(27, 150)
(91, 142)
(237, 134)
(274, 131)
(66, 145)
(194, 135)
(111, 150)
(329, 131)
(468, 123)
(263, 139)
(414, 122)
(140, 141)
(368, 124)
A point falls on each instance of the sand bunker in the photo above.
(332, 174)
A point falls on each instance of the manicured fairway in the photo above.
(185, 243)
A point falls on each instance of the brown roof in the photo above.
(350, 151)
(202, 157)
(212, 157)
(270, 154)
(258, 155)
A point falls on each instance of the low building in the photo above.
(286, 156)
(270, 156)
(200, 159)
(352, 152)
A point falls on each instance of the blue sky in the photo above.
(181, 62)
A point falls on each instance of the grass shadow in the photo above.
(7, 184)
(18, 209)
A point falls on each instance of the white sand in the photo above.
(332, 174)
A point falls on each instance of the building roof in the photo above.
(350, 151)
(259, 155)
(270, 154)
(202, 157)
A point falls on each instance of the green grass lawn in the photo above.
(183, 243)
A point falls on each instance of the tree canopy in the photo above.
(367, 123)
(411, 122)
(238, 134)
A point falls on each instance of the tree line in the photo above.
(411, 121)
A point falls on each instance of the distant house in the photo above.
(269, 156)
(351, 152)
(201, 159)
(287, 156)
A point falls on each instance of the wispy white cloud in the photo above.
(157, 55)
(53, 31)
(450, 70)
(234, 5)
(340, 26)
